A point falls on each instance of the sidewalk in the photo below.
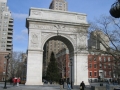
(42, 87)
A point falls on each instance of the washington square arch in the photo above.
(68, 27)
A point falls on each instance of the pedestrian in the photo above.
(107, 85)
(11, 81)
(14, 81)
(61, 84)
(82, 85)
(18, 81)
(69, 86)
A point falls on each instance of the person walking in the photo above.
(69, 86)
(18, 81)
(61, 84)
(82, 85)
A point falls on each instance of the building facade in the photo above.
(62, 58)
(100, 67)
(98, 40)
(6, 36)
(58, 5)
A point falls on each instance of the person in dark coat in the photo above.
(61, 84)
(82, 85)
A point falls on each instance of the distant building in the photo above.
(58, 5)
(98, 40)
(100, 66)
(62, 58)
(6, 36)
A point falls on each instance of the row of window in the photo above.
(100, 66)
(100, 59)
(106, 73)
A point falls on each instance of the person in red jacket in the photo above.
(18, 81)
(14, 81)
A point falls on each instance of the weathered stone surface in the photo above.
(70, 28)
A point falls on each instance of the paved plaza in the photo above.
(47, 87)
(42, 87)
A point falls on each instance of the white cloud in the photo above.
(25, 31)
(19, 15)
(21, 36)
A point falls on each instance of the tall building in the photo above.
(98, 40)
(6, 36)
(58, 5)
(6, 27)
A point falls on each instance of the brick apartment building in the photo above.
(3, 63)
(100, 66)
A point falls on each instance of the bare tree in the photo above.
(110, 27)
(61, 61)
(15, 63)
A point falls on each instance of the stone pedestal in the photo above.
(81, 69)
(34, 68)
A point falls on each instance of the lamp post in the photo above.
(71, 73)
(115, 9)
(7, 58)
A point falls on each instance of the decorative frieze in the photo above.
(53, 27)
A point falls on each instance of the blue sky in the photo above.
(20, 10)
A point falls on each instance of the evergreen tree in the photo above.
(52, 70)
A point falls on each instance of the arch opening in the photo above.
(54, 43)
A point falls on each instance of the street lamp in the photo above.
(115, 9)
(71, 72)
(7, 58)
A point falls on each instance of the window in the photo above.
(100, 59)
(100, 65)
(4, 33)
(95, 73)
(60, 4)
(105, 73)
(110, 73)
(108, 65)
(108, 59)
(95, 65)
(3, 73)
(90, 74)
(94, 58)
(104, 66)
(104, 59)
(6, 15)
(90, 65)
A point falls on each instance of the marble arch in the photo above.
(69, 27)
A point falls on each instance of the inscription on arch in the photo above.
(53, 27)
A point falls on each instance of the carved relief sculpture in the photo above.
(34, 40)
